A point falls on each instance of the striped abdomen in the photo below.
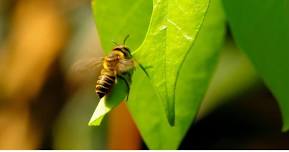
(104, 84)
(107, 77)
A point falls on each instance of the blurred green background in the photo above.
(44, 104)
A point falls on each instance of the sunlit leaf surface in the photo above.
(194, 75)
(173, 29)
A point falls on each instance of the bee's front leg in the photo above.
(126, 78)
(144, 69)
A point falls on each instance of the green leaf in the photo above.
(117, 18)
(197, 69)
(173, 29)
(191, 87)
(107, 103)
(260, 28)
(234, 76)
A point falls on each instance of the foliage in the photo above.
(171, 34)
(178, 43)
(193, 82)
(261, 30)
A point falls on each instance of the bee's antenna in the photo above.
(114, 42)
(124, 40)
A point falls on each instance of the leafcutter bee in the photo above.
(117, 64)
(114, 65)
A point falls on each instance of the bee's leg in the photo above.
(144, 69)
(123, 77)
(125, 80)
(115, 81)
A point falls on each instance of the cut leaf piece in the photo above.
(260, 28)
(107, 103)
(173, 29)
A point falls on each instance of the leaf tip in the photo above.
(91, 124)
(285, 128)
(172, 122)
(95, 122)
(171, 118)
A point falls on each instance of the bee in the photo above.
(115, 65)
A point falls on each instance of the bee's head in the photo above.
(123, 48)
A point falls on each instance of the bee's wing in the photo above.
(126, 65)
(85, 65)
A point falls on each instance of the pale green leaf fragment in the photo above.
(101, 110)
(107, 103)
